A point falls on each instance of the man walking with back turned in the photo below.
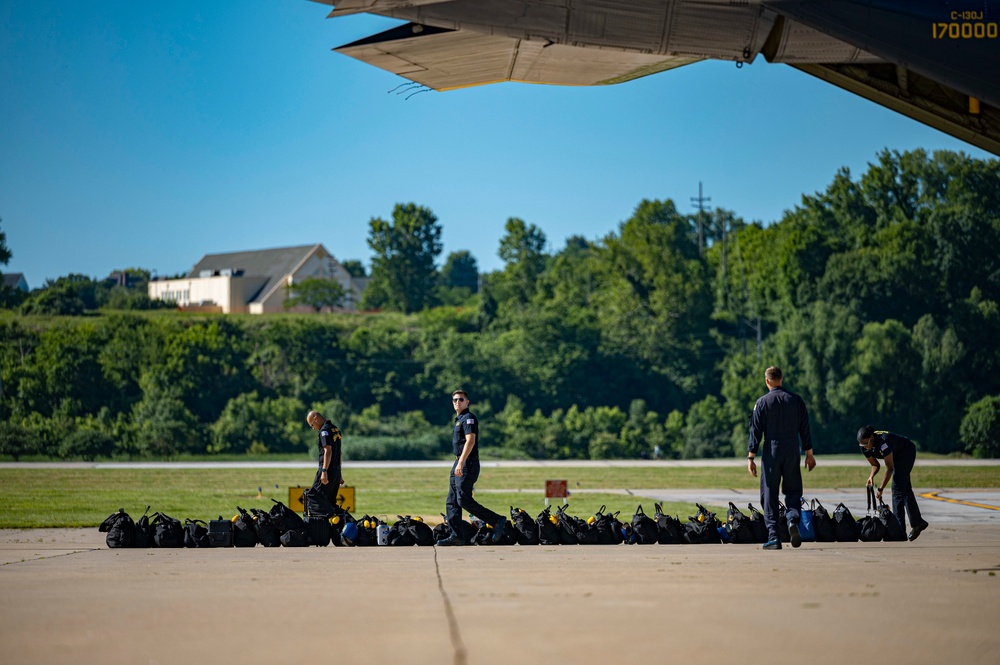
(779, 419)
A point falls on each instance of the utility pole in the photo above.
(699, 203)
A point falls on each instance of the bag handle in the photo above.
(871, 498)
(640, 511)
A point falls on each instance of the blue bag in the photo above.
(807, 527)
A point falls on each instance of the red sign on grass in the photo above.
(556, 489)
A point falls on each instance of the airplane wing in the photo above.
(445, 59)
(932, 60)
(929, 71)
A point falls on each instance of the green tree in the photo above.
(87, 444)
(944, 384)
(704, 434)
(315, 292)
(459, 278)
(300, 358)
(162, 425)
(5, 253)
(403, 276)
(66, 296)
(380, 368)
(206, 364)
(884, 377)
(64, 369)
(18, 441)
(354, 267)
(461, 271)
(655, 303)
(980, 429)
(249, 424)
(522, 249)
(642, 432)
(8, 297)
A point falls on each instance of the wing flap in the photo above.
(445, 59)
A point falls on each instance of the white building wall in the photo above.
(230, 293)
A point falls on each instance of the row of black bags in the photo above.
(325, 524)
(278, 527)
(816, 524)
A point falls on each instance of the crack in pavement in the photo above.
(461, 655)
(42, 558)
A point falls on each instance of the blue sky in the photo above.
(150, 134)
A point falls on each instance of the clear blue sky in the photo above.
(149, 134)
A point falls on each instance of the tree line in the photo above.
(878, 297)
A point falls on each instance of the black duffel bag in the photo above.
(758, 527)
(167, 531)
(870, 528)
(826, 531)
(525, 528)
(566, 526)
(894, 531)
(669, 530)
(738, 526)
(120, 529)
(285, 518)
(844, 527)
(548, 533)
(267, 533)
(244, 533)
(644, 528)
(195, 533)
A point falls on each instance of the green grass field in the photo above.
(33, 498)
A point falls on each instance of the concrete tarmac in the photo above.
(69, 599)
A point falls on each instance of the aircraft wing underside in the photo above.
(888, 51)
(447, 59)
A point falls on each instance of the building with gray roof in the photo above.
(255, 282)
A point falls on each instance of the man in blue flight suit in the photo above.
(464, 474)
(779, 419)
(899, 454)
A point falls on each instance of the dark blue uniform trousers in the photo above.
(780, 465)
(460, 496)
(902, 490)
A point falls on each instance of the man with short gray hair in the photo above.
(328, 475)
(778, 421)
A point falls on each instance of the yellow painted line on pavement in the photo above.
(934, 496)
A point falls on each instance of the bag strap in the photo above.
(871, 497)
(640, 511)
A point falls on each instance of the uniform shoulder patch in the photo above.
(885, 447)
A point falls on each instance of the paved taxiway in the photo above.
(69, 599)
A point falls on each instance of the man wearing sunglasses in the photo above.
(464, 474)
